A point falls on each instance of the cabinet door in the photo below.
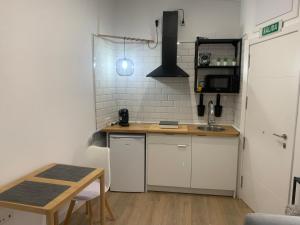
(214, 163)
(169, 165)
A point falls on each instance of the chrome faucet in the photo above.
(211, 114)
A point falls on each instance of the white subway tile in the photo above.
(149, 99)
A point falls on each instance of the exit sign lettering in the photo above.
(272, 28)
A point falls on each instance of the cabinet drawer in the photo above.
(169, 139)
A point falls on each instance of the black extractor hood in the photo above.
(169, 66)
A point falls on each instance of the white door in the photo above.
(272, 110)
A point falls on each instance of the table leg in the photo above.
(102, 199)
(50, 219)
(56, 218)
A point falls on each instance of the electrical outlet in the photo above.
(5, 216)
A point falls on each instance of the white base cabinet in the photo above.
(169, 160)
(214, 163)
(185, 161)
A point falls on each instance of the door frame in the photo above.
(246, 65)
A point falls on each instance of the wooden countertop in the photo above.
(142, 128)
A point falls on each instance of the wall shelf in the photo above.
(218, 41)
(218, 67)
(234, 71)
(214, 92)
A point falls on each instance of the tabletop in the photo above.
(48, 188)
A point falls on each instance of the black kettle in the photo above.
(124, 117)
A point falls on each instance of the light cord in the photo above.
(156, 44)
(124, 49)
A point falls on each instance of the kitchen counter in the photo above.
(142, 128)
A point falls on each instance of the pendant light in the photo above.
(124, 66)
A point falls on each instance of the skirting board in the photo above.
(192, 191)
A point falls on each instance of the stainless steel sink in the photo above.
(211, 128)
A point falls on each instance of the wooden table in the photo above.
(64, 191)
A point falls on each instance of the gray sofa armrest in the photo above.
(266, 219)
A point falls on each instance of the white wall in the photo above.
(151, 100)
(46, 84)
(253, 11)
(271, 9)
(106, 16)
(248, 16)
(208, 18)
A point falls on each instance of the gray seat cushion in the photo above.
(266, 219)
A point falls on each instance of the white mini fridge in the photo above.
(127, 162)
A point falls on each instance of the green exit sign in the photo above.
(272, 28)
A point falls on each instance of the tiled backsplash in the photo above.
(152, 99)
(106, 104)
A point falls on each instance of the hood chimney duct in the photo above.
(169, 66)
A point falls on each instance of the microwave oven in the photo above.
(221, 84)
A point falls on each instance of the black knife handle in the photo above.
(218, 99)
(201, 99)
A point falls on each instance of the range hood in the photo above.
(169, 66)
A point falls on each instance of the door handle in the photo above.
(283, 136)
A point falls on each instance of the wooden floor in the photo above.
(157, 208)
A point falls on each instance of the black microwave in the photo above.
(221, 83)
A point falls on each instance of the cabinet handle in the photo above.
(181, 146)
